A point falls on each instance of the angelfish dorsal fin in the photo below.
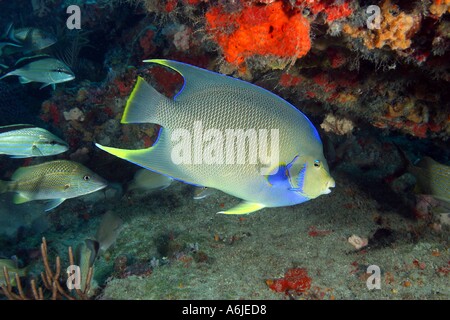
(143, 104)
(194, 78)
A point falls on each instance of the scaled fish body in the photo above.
(108, 231)
(34, 39)
(25, 40)
(148, 180)
(23, 141)
(433, 178)
(220, 103)
(42, 69)
(12, 270)
(8, 40)
(55, 181)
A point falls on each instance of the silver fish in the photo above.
(109, 230)
(55, 181)
(34, 39)
(25, 40)
(149, 180)
(24, 141)
(8, 39)
(42, 69)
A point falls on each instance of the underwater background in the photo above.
(372, 76)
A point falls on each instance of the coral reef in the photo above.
(396, 29)
(369, 91)
(51, 280)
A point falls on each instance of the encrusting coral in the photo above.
(396, 29)
(259, 30)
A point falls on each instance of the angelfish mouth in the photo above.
(330, 184)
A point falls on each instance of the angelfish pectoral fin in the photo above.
(244, 208)
(52, 204)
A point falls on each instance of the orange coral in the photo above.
(259, 30)
(395, 31)
(439, 7)
(295, 279)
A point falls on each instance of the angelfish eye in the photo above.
(317, 163)
(86, 178)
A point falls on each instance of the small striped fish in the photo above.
(24, 141)
(54, 181)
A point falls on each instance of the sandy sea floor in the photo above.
(231, 257)
(198, 254)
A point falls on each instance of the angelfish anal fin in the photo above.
(52, 204)
(244, 208)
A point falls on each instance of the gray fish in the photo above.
(24, 141)
(55, 181)
(86, 254)
(25, 40)
(8, 39)
(34, 39)
(42, 69)
(148, 180)
(109, 230)
(203, 192)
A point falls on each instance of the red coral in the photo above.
(50, 112)
(259, 30)
(337, 58)
(295, 279)
(192, 2)
(146, 43)
(123, 88)
(170, 5)
(324, 81)
(288, 80)
(168, 81)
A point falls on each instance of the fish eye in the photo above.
(317, 163)
(86, 178)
